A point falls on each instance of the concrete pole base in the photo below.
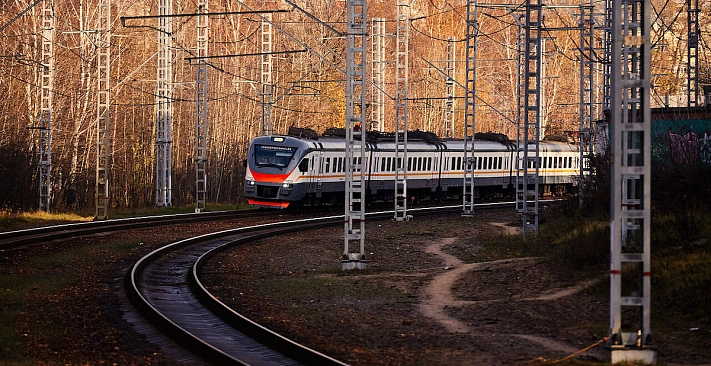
(353, 261)
(644, 354)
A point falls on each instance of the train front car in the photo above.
(274, 171)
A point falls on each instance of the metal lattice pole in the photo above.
(470, 109)
(103, 102)
(201, 88)
(401, 109)
(607, 59)
(354, 223)
(377, 34)
(630, 335)
(450, 106)
(529, 130)
(520, 113)
(587, 97)
(47, 82)
(266, 78)
(693, 53)
(164, 105)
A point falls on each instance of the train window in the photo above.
(419, 164)
(459, 163)
(453, 162)
(276, 156)
(498, 162)
(328, 164)
(491, 163)
(429, 163)
(570, 162)
(304, 165)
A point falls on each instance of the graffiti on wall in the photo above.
(690, 148)
(681, 142)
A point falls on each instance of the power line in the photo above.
(19, 15)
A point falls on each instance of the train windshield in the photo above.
(270, 155)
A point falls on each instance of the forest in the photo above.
(307, 76)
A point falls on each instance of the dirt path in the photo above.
(437, 296)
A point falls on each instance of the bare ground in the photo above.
(434, 294)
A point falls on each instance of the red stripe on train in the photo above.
(270, 178)
(274, 204)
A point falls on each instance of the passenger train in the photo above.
(304, 168)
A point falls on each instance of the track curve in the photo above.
(159, 288)
(165, 287)
(18, 238)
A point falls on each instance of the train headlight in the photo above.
(287, 185)
(250, 182)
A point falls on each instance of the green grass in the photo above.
(16, 290)
(10, 221)
(42, 276)
(17, 221)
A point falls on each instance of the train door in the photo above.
(316, 173)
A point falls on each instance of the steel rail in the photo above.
(188, 326)
(215, 332)
(17, 238)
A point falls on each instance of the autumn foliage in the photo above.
(308, 76)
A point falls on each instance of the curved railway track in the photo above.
(17, 238)
(165, 287)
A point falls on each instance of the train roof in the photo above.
(333, 139)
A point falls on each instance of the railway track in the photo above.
(17, 238)
(165, 287)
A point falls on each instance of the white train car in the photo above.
(296, 169)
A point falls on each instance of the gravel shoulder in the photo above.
(418, 302)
